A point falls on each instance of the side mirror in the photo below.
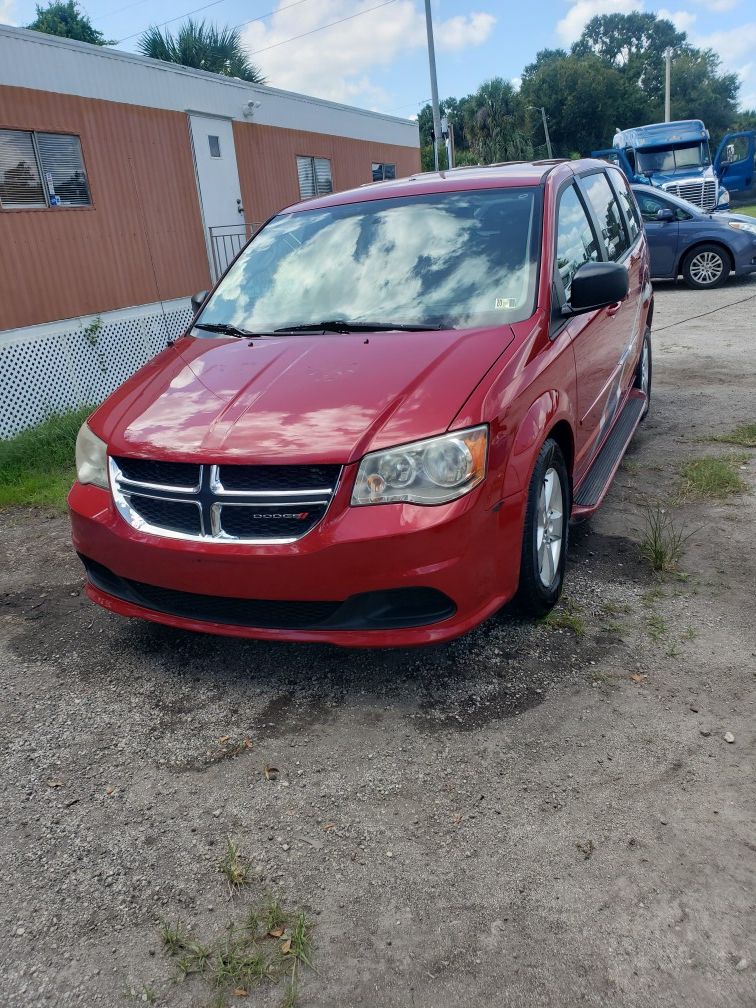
(596, 285)
(198, 300)
(665, 215)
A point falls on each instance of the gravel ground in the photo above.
(525, 817)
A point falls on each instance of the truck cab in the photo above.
(676, 157)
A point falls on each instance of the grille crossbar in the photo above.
(222, 503)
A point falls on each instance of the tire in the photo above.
(644, 372)
(705, 267)
(542, 564)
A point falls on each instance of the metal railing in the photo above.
(226, 240)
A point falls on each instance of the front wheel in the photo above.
(705, 267)
(544, 542)
(643, 372)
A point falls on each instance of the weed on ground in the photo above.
(714, 477)
(662, 543)
(37, 466)
(744, 435)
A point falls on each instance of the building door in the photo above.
(219, 189)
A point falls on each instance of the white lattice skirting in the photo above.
(58, 366)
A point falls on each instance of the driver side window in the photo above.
(576, 243)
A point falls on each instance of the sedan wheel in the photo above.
(705, 267)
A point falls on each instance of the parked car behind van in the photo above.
(703, 248)
(378, 425)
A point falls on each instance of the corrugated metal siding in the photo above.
(267, 160)
(141, 241)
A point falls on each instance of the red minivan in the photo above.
(379, 423)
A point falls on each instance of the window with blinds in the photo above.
(314, 177)
(41, 170)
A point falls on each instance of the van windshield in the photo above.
(452, 260)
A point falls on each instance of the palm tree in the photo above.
(493, 123)
(202, 46)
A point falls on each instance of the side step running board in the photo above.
(597, 480)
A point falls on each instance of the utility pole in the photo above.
(434, 83)
(546, 133)
(667, 74)
(539, 108)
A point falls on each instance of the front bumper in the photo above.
(377, 576)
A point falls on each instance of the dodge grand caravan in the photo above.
(379, 424)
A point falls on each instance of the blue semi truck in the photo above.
(676, 157)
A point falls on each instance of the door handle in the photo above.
(612, 310)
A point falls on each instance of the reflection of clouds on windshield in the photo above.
(464, 260)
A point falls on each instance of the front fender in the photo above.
(549, 409)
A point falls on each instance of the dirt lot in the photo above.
(529, 816)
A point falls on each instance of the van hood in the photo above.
(297, 399)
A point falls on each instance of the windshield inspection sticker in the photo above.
(500, 303)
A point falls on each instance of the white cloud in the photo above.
(736, 47)
(463, 31)
(682, 20)
(580, 13)
(339, 63)
(6, 12)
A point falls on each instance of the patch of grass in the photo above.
(749, 210)
(270, 944)
(662, 543)
(566, 617)
(714, 477)
(744, 435)
(37, 465)
(657, 627)
(234, 865)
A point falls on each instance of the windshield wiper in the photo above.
(345, 326)
(224, 327)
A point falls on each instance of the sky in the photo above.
(378, 58)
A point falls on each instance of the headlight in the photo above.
(91, 458)
(743, 226)
(434, 471)
(724, 199)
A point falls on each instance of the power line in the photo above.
(177, 18)
(119, 10)
(330, 24)
(215, 3)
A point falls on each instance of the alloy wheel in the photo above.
(706, 268)
(549, 530)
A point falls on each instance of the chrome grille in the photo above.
(700, 192)
(222, 503)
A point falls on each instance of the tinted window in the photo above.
(607, 211)
(632, 220)
(576, 242)
(459, 259)
(650, 205)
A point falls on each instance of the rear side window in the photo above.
(576, 242)
(608, 214)
(627, 203)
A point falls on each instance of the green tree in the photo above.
(585, 101)
(699, 91)
(203, 47)
(67, 21)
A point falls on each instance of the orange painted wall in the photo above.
(266, 158)
(141, 241)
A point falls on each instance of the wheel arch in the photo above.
(562, 433)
